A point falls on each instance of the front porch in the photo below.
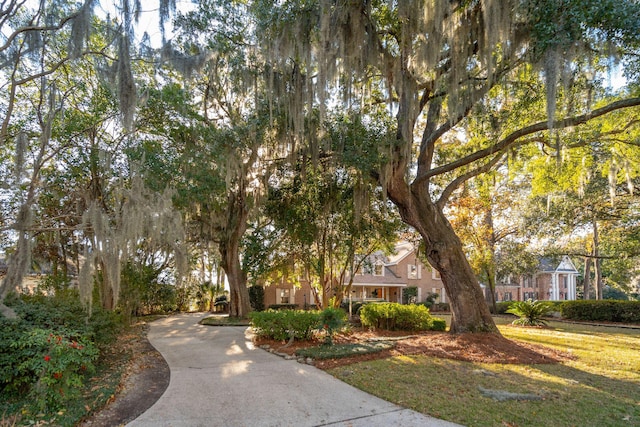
(375, 293)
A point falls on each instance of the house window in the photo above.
(435, 274)
(378, 269)
(283, 296)
(413, 271)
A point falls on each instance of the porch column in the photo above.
(554, 287)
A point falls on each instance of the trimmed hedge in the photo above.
(602, 310)
(394, 316)
(283, 307)
(283, 324)
(502, 307)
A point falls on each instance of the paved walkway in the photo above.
(218, 378)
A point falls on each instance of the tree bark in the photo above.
(586, 284)
(229, 246)
(597, 263)
(239, 303)
(470, 312)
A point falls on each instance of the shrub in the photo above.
(602, 310)
(332, 320)
(438, 324)
(285, 324)
(283, 307)
(256, 297)
(47, 352)
(502, 307)
(530, 312)
(409, 294)
(355, 306)
(394, 316)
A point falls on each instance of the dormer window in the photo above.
(413, 271)
(378, 269)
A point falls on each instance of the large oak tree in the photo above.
(431, 64)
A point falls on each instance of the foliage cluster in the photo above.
(530, 313)
(285, 324)
(602, 310)
(47, 353)
(409, 295)
(503, 306)
(394, 316)
(256, 297)
(143, 294)
(283, 307)
(356, 306)
(332, 320)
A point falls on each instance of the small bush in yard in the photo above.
(502, 307)
(394, 316)
(332, 320)
(285, 324)
(58, 365)
(46, 354)
(530, 312)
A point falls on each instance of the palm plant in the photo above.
(530, 312)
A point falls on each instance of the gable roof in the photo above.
(403, 249)
(552, 264)
(389, 279)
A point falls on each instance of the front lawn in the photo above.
(598, 386)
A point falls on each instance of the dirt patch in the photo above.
(145, 380)
(481, 348)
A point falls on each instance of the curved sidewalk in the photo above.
(218, 378)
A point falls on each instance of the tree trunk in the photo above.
(470, 312)
(236, 224)
(586, 284)
(491, 280)
(239, 303)
(597, 263)
(107, 297)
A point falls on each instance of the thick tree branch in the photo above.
(513, 138)
(453, 185)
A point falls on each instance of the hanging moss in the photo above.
(144, 217)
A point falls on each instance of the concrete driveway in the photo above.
(218, 378)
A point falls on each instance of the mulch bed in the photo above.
(480, 348)
(146, 378)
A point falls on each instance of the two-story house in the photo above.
(381, 278)
(554, 280)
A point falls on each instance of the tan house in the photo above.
(380, 278)
(555, 280)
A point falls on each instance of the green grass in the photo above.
(224, 321)
(601, 387)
